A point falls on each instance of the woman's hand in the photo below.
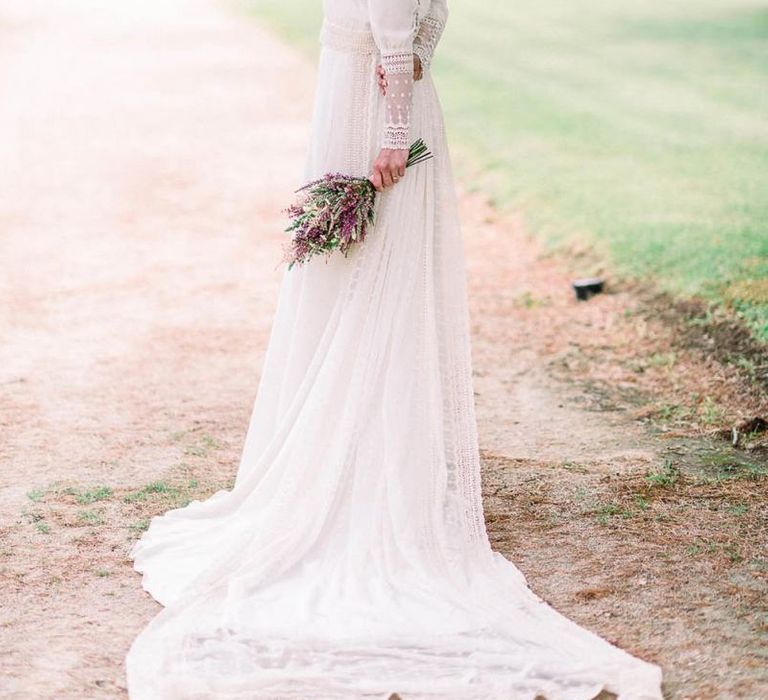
(418, 74)
(389, 167)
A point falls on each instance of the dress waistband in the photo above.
(351, 40)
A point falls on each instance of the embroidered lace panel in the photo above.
(430, 31)
(398, 68)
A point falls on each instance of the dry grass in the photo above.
(645, 524)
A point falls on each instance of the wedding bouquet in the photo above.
(335, 212)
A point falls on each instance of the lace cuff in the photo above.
(430, 31)
(398, 70)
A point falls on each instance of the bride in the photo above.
(350, 560)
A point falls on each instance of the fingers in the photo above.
(382, 79)
(387, 179)
(376, 179)
(397, 165)
(388, 169)
(418, 69)
(396, 173)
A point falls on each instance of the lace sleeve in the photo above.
(430, 31)
(393, 23)
(398, 68)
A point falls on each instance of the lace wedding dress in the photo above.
(350, 560)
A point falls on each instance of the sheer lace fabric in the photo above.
(398, 68)
(350, 560)
(428, 36)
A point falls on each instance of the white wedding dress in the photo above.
(351, 560)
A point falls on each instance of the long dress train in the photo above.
(350, 560)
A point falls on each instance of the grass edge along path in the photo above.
(637, 131)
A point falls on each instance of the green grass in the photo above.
(172, 496)
(156, 487)
(639, 127)
(36, 495)
(98, 493)
(140, 526)
(666, 477)
(729, 465)
(605, 512)
(203, 447)
(91, 517)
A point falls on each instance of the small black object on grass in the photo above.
(587, 287)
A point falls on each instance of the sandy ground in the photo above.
(146, 149)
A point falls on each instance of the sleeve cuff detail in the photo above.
(426, 40)
(395, 137)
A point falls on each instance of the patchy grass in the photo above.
(139, 526)
(36, 495)
(571, 466)
(171, 495)
(666, 477)
(677, 518)
(737, 508)
(725, 465)
(98, 493)
(606, 512)
(91, 517)
(680, 377)
(119, 508)
(205, 445)
(156, 487)
(641, 502)
(710, 413)
(674, 413)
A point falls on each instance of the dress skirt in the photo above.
(350, 560)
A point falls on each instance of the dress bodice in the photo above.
(356, 13)
(400, 30)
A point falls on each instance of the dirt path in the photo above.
(140, 188)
